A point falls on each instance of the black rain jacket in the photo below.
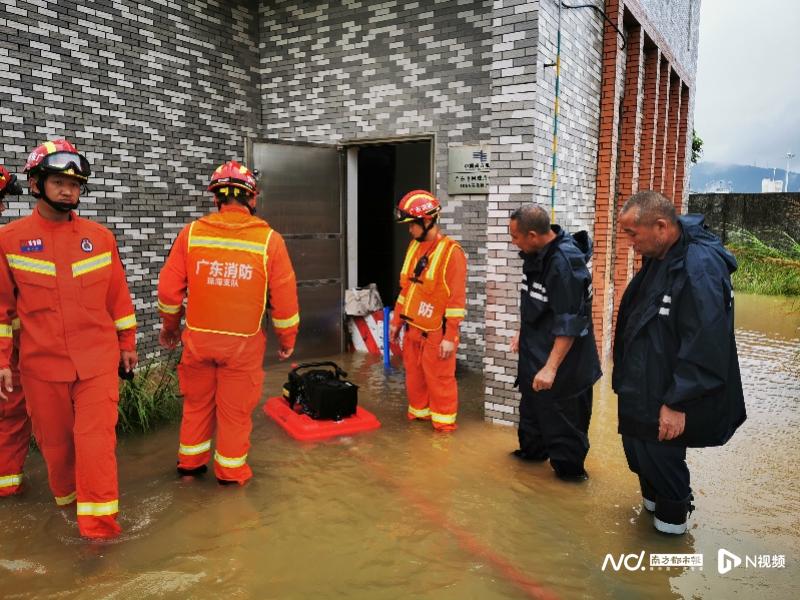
(680, 348)
(556, 300)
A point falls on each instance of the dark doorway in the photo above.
(386, 172)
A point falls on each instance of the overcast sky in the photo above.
(748, 82)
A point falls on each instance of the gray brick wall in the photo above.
(678, 23)
(523, 174)
(514, 112)
(581, 51)
(334, 72)
(155, 93)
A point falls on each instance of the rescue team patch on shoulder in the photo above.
(35, 245)
(86, 245)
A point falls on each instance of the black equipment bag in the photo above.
(322, 394)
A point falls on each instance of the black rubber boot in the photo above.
(522, 455)
(672, 516)
(192, 472)
(571, 473)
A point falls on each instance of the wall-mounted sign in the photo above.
(468, 170)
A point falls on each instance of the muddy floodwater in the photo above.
(402, 512)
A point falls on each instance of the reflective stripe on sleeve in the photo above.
(284, 323)
(6, 331)
(454, 313)
(170, 309)
(125, 322)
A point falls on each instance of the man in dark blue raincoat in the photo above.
(676, 371)
(558, 360)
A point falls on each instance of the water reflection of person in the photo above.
(676, 370)
(558, 361)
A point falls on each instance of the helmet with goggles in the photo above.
(58, 157)
(417, 205)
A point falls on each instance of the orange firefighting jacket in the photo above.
(234, 266)
(437, 295)
(67, 284)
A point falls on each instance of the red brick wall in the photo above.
(684, 148)
(605, 203)
(671, 151)
(644, 140)
(629, 154)
(661, 130)
(650, 120)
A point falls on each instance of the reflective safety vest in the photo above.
(226, 270)
(424, 296)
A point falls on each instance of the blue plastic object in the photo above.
(387, 357)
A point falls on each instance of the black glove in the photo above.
(123, 374)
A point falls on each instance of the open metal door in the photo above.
(301, 198)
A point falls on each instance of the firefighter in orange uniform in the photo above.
(233, 266)
(431, 307)
(15, 425)
(63, 276)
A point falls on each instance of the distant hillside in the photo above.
(742, 178)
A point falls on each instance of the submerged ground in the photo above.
(402, 512)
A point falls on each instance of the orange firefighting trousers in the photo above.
(15, 437)
(73, 423)
(430, 381)
(220, 378)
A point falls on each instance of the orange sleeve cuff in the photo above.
(451, 333)
(287, 340)
(127, 339)
(170, 322)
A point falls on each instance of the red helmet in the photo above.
(58, 156)
(234, 175)
(417, 204)
(8, 183)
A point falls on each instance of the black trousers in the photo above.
(556, 429)
(663, 476)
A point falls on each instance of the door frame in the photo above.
(350, 193)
